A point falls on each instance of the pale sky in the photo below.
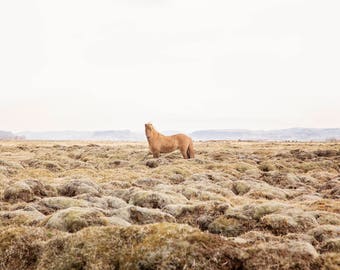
(183, 65)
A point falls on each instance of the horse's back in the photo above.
(182, 137)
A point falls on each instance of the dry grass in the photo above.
(237, 205)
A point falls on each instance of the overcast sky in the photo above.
(183, 65)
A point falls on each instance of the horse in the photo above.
(159, 143)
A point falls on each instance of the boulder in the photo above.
(51, 204)
(19, 191)
(20, 217)
(141, 215)
(152, 199)
(75, 218)
(325, 232)
(286, 254)
(79, 186)
(229, 226)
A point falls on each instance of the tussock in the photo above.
(104, 205)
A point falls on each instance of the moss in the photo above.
(20, 217)
(74, 219)
(256, 211)
(153, 199)
(281, 255)
(328, 261)
(303, 175)
(266, 167)
(157, 246)
(241, 187)
(331, 245)
(20, 247)
(228, 226)
(17, 192)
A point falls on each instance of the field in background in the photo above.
(104, 205)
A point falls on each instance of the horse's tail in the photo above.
(190, 151)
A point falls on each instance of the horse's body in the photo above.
(159, 143)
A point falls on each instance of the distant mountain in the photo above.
(7, 135)
(292, 134)
(118, 135)
(115, 135)
(56, 135)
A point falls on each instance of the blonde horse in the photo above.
(159, 143)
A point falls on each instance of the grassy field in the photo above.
(110, 205)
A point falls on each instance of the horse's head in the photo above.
(149, 130)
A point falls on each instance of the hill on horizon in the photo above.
(292, 134)
(7, 135)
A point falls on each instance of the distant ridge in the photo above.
(291, 134)
(115, 135)
(7, 135)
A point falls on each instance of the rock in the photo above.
(119, 163)
(147, 182)
(201, 191)
(196, 214)
(52, 204)
(151, 199)
(289, 221)
(199, 177)
(141, 215)
(229, 227)
(117, 221)
(263, 190)
(324, 218)
(75, 218)
(256, 211)
(107, 188)
(152, 163)
(37, 187)
(258, 189)
(104, 202)
(331, 245)
(280, 255)
(302, 155)
(19, 191)
(176, 178)
(114, 202)
(266, 166)
(125, 194)
(20, 217)
(328, 205)
(331, 189)
(325, 232)
(326, 153)
(241, 187)
(210, 188)
(282, 180)
(279, 224)
(178, 210)
(77, 187)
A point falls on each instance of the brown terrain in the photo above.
(104, 205)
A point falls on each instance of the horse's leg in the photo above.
(184, 152)
(190, 151)
(156, 154)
